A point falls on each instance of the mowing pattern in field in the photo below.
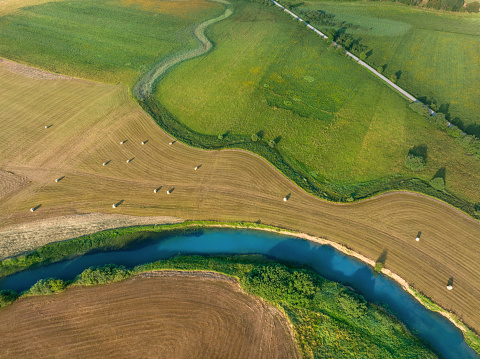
(329, 115)
(108, 41)
(167, 317)
(89, 120)
(436, 52)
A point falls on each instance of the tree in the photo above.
(272, 143)
(472, 7)
(394, 78)
(414, 163)
(331, 33)
(7, 297)
(438, 183)
(380, 69)
(255, 137)
(363, 56)
(48, 286)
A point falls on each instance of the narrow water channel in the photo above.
(328, 262)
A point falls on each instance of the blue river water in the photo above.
(442, 335)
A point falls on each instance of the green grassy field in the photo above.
(330, 117)
(107, 41)
(436, 52)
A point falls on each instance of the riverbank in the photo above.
(122, 237)
(327, 317)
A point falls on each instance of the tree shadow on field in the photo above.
(398, 74)
(419, 151)
(277, 139)
(383, 257)
(441, 173)
(445, 109)
(260, 134)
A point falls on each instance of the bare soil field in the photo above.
(89, 120)
(166, 316)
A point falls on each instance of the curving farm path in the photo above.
(146, 85)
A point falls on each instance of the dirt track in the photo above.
(164, 316)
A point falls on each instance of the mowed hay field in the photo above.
(333, 120)
(161, 317)
(436, 52)
(89, 120)
(114, 41)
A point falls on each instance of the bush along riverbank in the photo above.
(328, 318)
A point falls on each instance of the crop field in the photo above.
(329, 116)
(89, 120)
(168, 317)
(111, 41)
(436, 53)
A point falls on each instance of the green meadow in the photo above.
(436, 54)
(331, 119)
(108, 41)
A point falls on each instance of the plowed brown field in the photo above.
(91, 119)
(153, 317)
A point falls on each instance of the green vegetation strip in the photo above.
(329, 320)
(104, 241)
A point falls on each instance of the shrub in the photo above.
(100, 275)
(378, 267)
(420, 108)
(394, 78)
(220, 137)
(7, 297)
(48, 286)
(414, 163)
(473, 7)
(380, 69)
(363, 56)
(255, 137)
(438, 183)
(272, 143)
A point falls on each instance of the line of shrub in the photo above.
(110, 239)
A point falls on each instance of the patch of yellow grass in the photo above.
(9, 6)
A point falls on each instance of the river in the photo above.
(435, 329)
